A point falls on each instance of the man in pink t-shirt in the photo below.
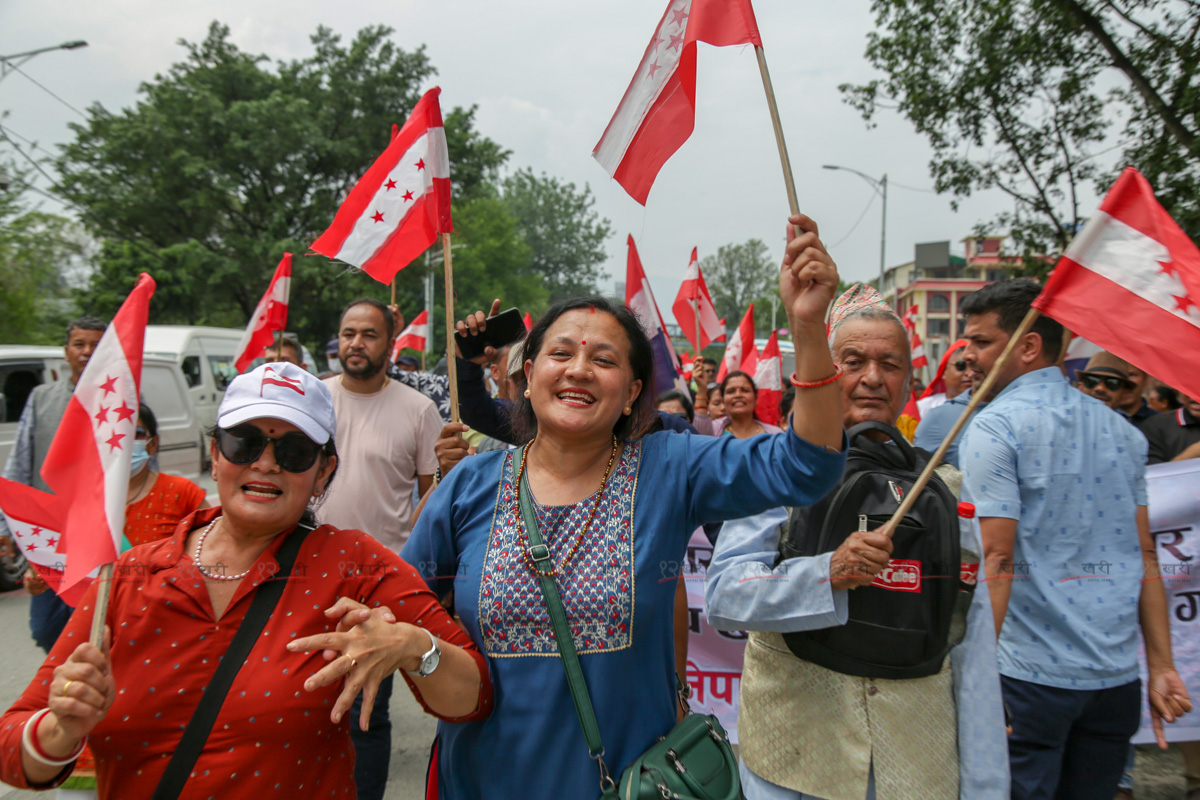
(385, 438)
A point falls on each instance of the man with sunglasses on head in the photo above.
(937, 421)
(386, 435)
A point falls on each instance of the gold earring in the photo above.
(527, 393)
(628, 410)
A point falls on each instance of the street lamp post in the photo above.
(9, 63)
(879, 185)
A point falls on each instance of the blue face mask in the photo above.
(140, 458)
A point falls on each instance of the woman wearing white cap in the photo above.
(177, 606)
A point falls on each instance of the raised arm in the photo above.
(808, 280)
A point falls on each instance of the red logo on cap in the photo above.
(900, 575)
(273, 378)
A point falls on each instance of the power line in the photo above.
(911, 188)
(26, 156)
(46, 89)
(867, 208)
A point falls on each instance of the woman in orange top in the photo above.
(157, 501)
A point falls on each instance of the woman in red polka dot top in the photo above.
(177, 603)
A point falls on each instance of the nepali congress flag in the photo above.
(640, 300)
(88, 462)
(768, 378)
(270, 316)
(1130, 283)
(401, 205)
(413, 337)
(915, 345)
(694, 301)
(721, 338)
(740, 352)
(36, 520)
(658, 112)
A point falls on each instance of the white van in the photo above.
(180, 449)
(205, 355)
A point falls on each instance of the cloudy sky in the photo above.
(547, 75)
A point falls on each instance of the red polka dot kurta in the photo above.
(272, 738)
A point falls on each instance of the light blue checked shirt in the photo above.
(1072, 472)
(799, 597)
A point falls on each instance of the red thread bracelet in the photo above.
(837, 373)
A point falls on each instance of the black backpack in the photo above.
(901, 625)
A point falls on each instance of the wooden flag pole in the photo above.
(393, 290)
(697, 324)
(451, 360)
(976, 398)
(793, 203)
(279, 346)
(103, 590)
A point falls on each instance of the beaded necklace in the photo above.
(524, 543)
(200, 566)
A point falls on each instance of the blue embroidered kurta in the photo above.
(619, 594)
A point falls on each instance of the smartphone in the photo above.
(502, 329)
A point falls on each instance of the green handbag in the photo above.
(694, 761)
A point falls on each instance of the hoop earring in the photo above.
(527, 393)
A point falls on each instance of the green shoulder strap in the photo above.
(540, 554)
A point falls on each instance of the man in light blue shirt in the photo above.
(1058, 481)
(937, 422)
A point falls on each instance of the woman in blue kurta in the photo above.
(616, 509)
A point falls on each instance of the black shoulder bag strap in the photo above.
(266, 596)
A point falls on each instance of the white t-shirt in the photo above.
(384, 441)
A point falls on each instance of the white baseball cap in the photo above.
(284, 391)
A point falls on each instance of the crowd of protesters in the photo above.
(412, 531)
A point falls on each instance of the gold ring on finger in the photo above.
(66, 686)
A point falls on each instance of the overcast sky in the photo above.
(547, 76)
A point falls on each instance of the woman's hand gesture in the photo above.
(808, 278)
(368, 646)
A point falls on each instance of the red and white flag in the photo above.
(1130, 283)
(36, 519)
(693, 297)
(768, 378)
(413, 337)
(658, 112)
(88, 462)
(721, 338)
(640, 299)
(270, 316)
(915, 344)
(740, 353)
(401, 205)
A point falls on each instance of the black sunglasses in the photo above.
(1113, 384)
(294, 452)
(961, 366)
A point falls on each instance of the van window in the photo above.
(191, 370)
(223, 371)
(17, 380)
(160, 391)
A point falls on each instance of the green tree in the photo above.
(1016, 95)
(495, 261)
(37, 251)
(565, 235)
(740, 274)
(227, 160)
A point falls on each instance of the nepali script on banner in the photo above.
(714, 665)
(1175, 522)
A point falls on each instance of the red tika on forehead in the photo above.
(593, 308)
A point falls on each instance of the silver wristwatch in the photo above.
(429, 661)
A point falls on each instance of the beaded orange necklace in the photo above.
(524, 543)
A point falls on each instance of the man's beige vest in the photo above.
(816, 731)
(49, 404)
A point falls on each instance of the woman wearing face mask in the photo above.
(156, 501)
